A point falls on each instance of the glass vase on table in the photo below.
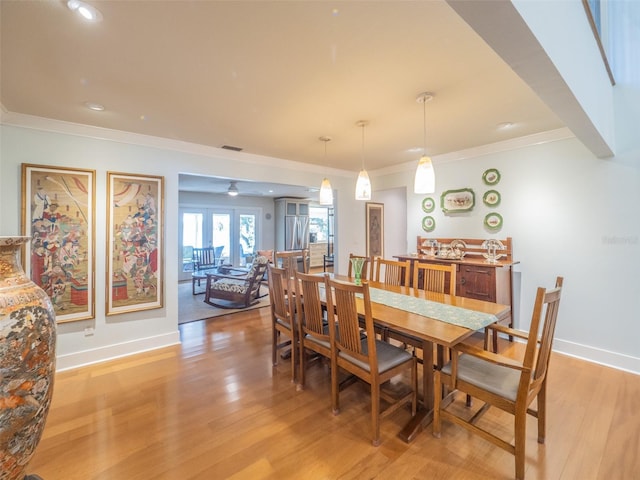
(357, 264)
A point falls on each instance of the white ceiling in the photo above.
(270, 77)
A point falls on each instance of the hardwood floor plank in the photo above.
(215, 408)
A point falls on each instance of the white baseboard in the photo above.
(110, 352)
(616, 360)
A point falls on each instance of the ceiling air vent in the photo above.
(231, 147)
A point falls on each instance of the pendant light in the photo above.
(363, 185)
(425, 179)
(233, 189)
(326, 192)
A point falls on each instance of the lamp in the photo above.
(425, 179)
(233, 189)
(326, 192)
(363, 185)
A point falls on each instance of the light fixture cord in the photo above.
(424, 125)
(363, 146)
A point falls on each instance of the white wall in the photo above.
(57, 144)
(569, 214)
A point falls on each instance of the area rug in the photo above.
(192, 307)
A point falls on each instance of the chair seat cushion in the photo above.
(389, 356)
(319, 341)
(230, 285)
(494, 378)
(283, 323)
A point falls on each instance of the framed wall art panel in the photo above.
(58, 213)
(135, 224)
(375, 229)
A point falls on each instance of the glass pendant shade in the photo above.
(326, 193)
(363, 186)
(425, 180)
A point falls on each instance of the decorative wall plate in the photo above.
(461, 200)
(428, 224)
(491, 176)
(492, 245)
(491, 198)
(428, 204)
(493, 221)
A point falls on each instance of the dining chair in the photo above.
(312, 324)
(503, 382)
(391, 272)
(292, 261)
(366, 272)
(435, 277)
(371, 360)
(282, 316)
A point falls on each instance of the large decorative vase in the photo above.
(27, 361)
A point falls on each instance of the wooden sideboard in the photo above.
(475, 276)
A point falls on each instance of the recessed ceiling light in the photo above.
(86, 11)
(96, 107)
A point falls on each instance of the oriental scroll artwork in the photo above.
(134, 252)
(375, 229)
(58, 209)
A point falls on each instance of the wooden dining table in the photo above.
(424, 331)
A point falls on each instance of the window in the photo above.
(319, 224)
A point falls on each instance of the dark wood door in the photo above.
(475, 281)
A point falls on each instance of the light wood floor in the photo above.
(214, 408)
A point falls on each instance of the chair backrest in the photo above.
(204, 258)
(341, 300)
(434, 277)
(279, 284)
(266, 253)
(293, 261)
(538, 351)
(366, 267)
(217, 253)
(256, 272)
(309, 304)
(391, 272)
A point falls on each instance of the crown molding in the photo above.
(129, 138)
(489, 149)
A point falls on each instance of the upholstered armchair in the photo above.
(236, 291)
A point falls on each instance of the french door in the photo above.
(234, 229)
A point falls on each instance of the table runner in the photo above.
(462, 317)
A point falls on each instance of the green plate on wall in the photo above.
(491, 198)
(428, 224)
(493, 221)
(428, 205)
(491, 176)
